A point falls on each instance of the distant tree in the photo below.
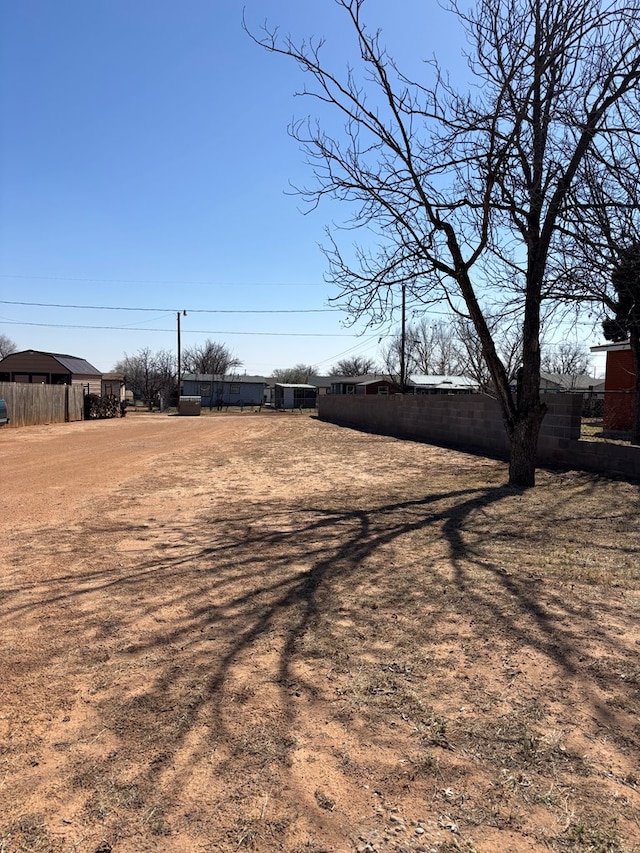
(452, 348)
(210, 357)
(391, 354)
(298, 374)
(471, 357)
(435, 348)
(429, 349)
(432, 348)
(625, 325)
(7, 346)
(358, 365)
(150, 375)
(167, 376)
(567, 358)
(470, 354)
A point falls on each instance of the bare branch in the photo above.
(476, 198)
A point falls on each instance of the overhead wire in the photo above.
(190, 331)
(89, 280)
(164, 310)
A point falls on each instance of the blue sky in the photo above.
(145, 164)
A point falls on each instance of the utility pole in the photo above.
(184, 314)
(403, 366)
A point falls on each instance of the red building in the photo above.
(619, 387)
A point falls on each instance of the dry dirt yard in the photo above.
(265, 632)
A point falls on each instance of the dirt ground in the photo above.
(266, 632)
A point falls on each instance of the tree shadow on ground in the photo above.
(215, 636)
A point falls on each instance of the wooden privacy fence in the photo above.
(42, 404)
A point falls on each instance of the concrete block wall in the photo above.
(473, 422)
(612, 460)
(469, 421)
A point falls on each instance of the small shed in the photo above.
(113, 385)
(50, 368)
(291, 396)
(619, 387)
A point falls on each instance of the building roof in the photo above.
(71, 363)
(443, 382)
(377, 381)
(294, 385)
(258, 380)
(572, 382)
(212, 377)
(349, 380)
(612, 347)
(76, 365)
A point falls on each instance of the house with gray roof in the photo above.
(368, 383)
(579, 383)
(437, 384)
(218, 392)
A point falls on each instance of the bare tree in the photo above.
(602, 257)
(7, 346)
(150, 375)
(430, 348)
(210, 357)
(466, 194)
(435, 348)
(508, 345)
(567, 358)
(392, 354)
(452, 347)
(358, 365)
(296, 375)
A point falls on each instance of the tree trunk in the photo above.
(523, 447)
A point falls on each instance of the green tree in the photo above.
(465, 194)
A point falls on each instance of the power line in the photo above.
(190, 331)
(166, 310)
(364, 344)
(165, 281)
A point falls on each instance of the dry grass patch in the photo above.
(334, 641)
